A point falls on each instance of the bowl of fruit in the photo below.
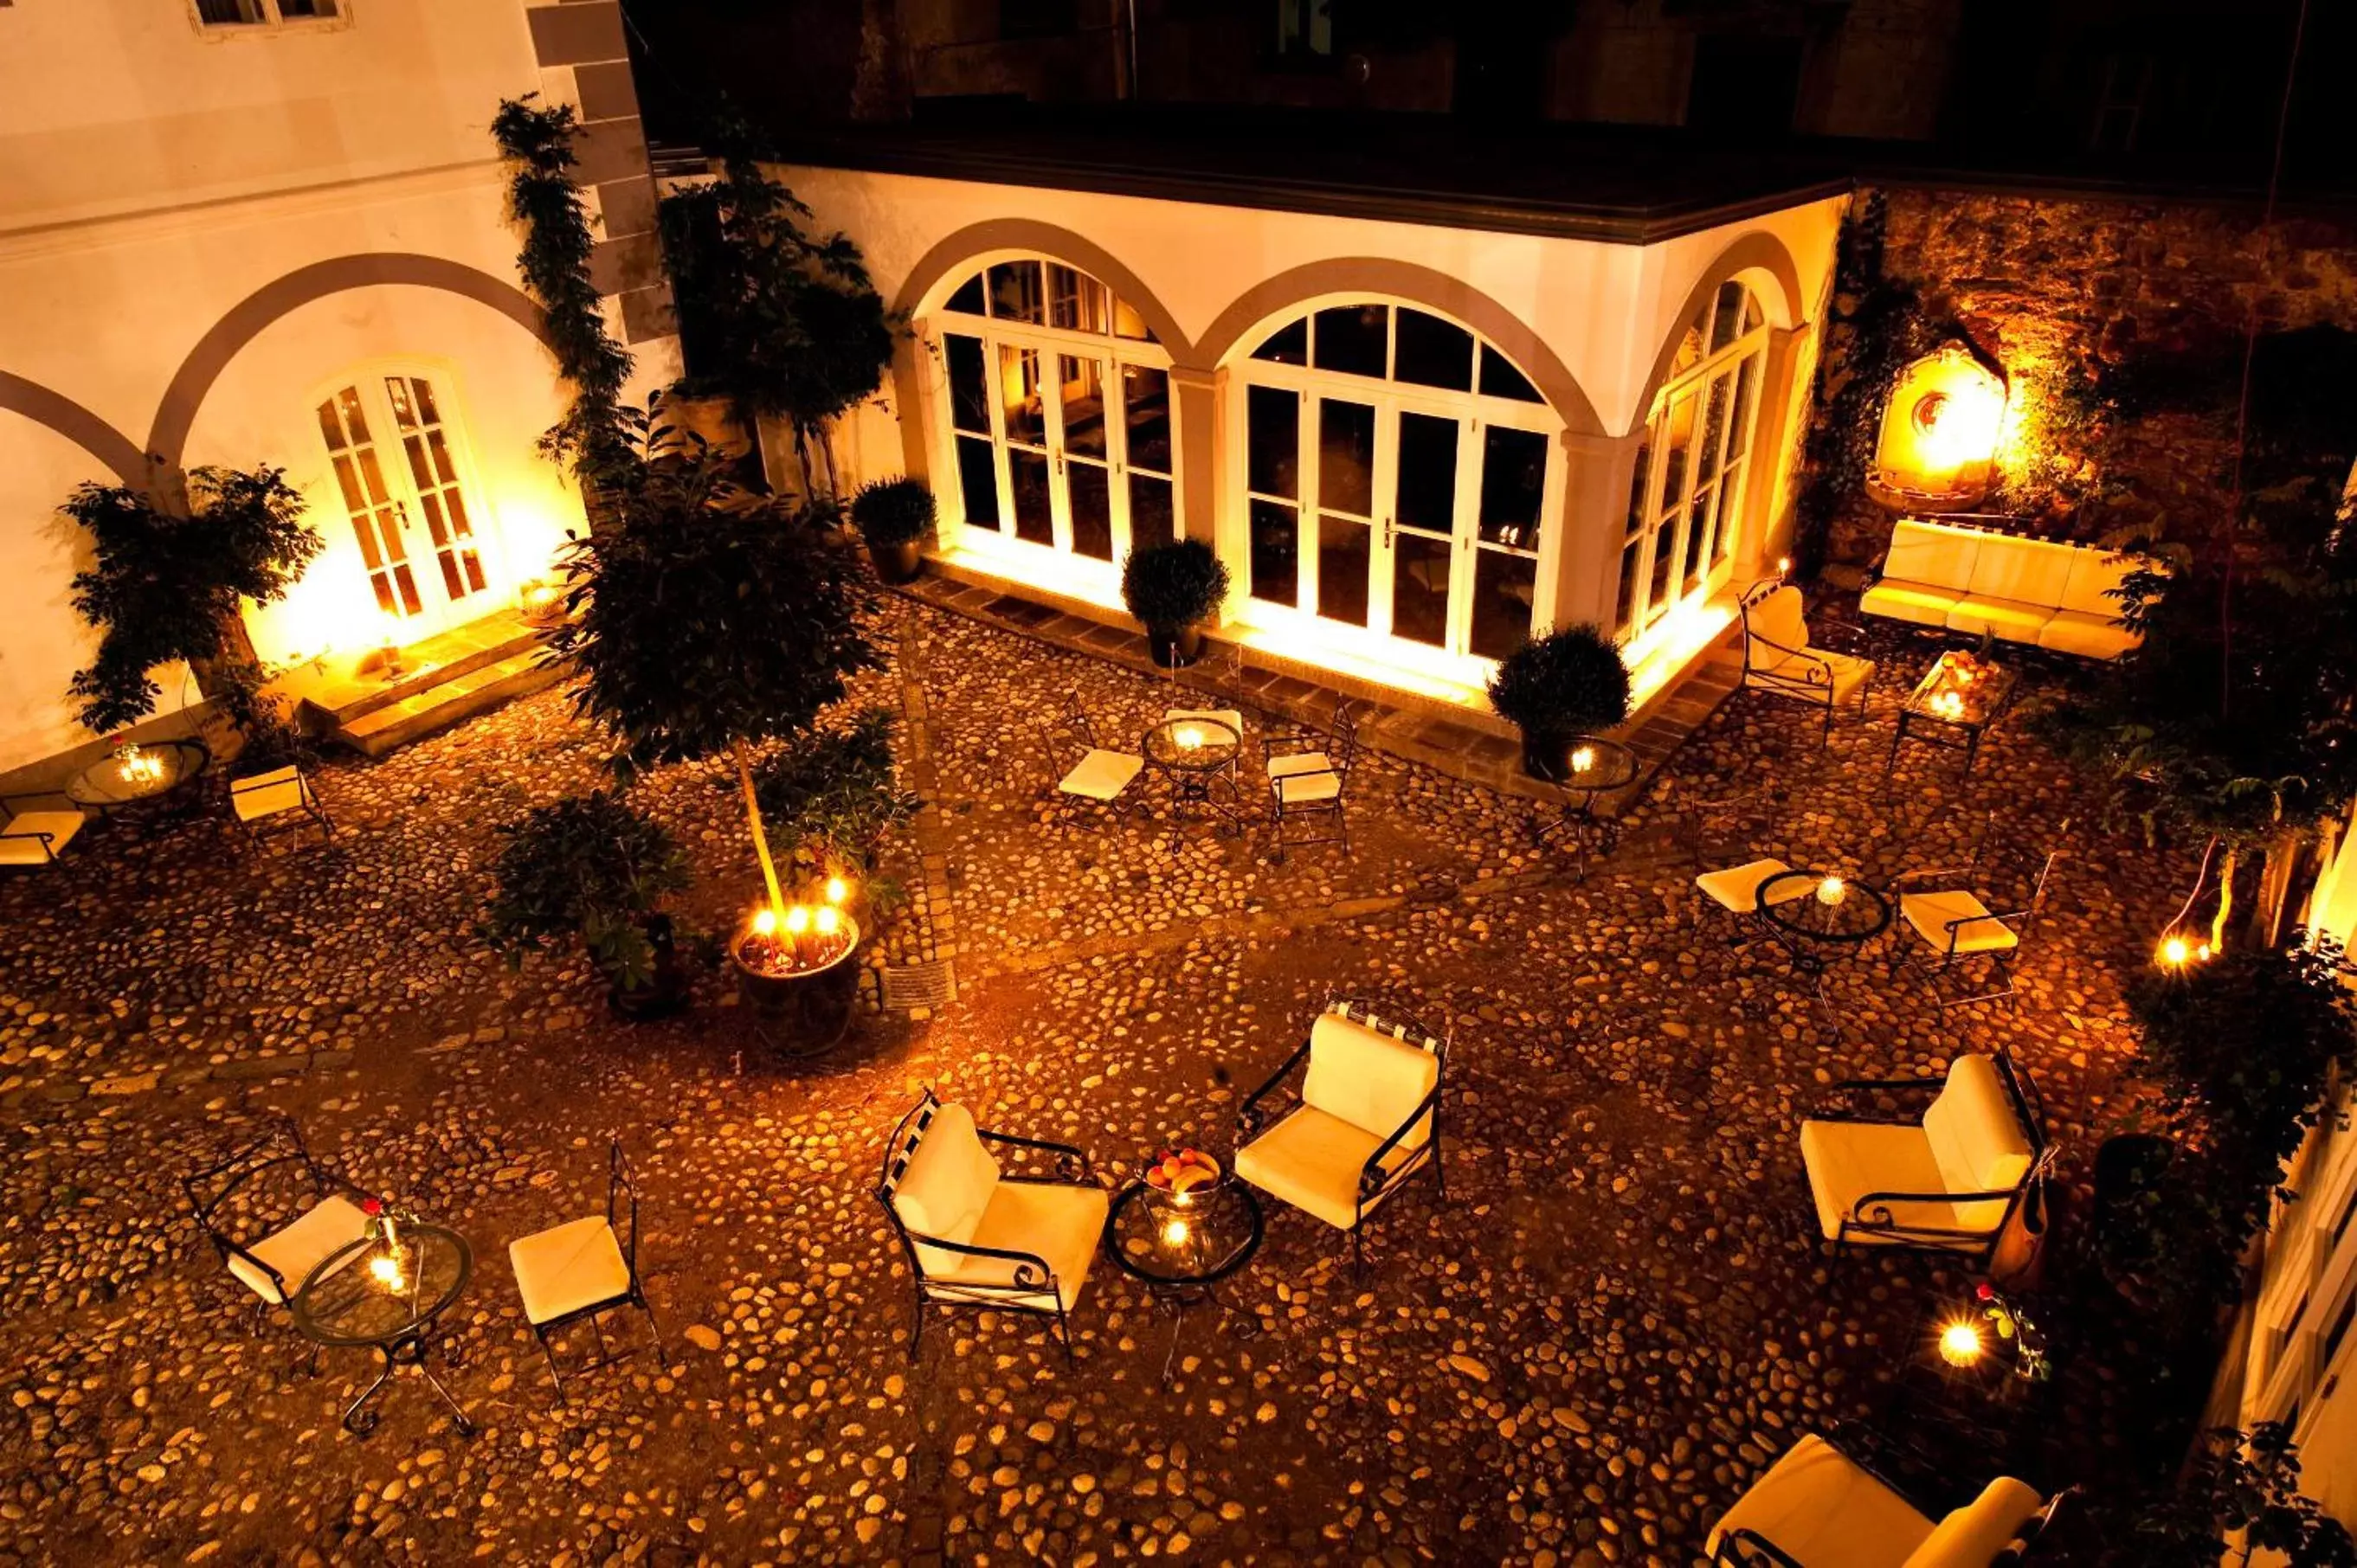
(1178, 1171)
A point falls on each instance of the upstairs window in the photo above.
(229, 15)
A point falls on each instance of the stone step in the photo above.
(460, 694)
(436, 662)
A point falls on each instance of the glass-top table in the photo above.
(1594, 767)
(1181, 1244)
(1196, 755)
(383, 1291)
(1959, 696)
(141, 775)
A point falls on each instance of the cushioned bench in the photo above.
(2019, 590)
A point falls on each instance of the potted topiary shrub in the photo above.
(894, 516)
(1567, 683)
(592, 867)
(1173, 589)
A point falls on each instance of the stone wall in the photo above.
(2056, 288)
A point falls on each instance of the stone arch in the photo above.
(176, 414)
(55, 411)
(1756, 252)
(1057, 244)
(1416, 285)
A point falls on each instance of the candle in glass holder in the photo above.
(1583, 760)
(1960, 1344)
(1187, 737)
(1831, 890)
(837, 890)
(1174, 1232)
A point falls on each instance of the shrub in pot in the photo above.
(894, 516)
(1569, 682)
(593, 868)
(1173, 589)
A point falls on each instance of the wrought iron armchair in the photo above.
(584, 1268)
(1364, 1120)
(1102, 775)
(1958, 927)
(969, 1243)
(1778, 657)
(279, 802)
(285, 1247)
(1977, 1149)
(35, 837)
(1308, 780)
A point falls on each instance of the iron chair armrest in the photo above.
(1372, 1177)
(1838, 636)
(1758, 1551)
(1884, 1199)
(1997, 916)
(48, 841)
(1067, 1156)
(13, 802)
(1249, 1116)
(1929, 873)
(1047, 1275)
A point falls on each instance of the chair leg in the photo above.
(554, 1376)
(1064, 1332)
(916, 1329)
(598, 1328)
(654, 1329)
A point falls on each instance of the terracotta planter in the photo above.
(897, 564)
(668, 993)
(1174, 647)
(806, 1011)
(1546, 757)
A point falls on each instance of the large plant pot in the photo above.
(1546, 757)
(899, 563)
(670, 989)
(1174, 647)
(806, 1011)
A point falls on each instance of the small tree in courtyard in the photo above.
(706, 620)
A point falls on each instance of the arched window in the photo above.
(1399, 474)
(1056, 399)
(1686, 502)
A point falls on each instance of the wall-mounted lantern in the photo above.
(1938, 447)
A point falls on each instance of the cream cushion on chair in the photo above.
(1302, 788)
(1361, 1086)
(1973, 1535)
(1056, 1223)
(946, 1186)
(1102, 775)
(1848, 1160)
(20, 840)
(1821, 1510)
(266, 794)
(1293, 762)
(297, 1248)
(1782, 617)
(1929, 913)
(1312, 1160)
(1978, 1138)
(1736, 887)
(1847, 673)
(567, 1267)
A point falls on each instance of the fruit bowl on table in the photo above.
(1180, 1173)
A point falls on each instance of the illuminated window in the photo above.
(396, 467)
(228, 16)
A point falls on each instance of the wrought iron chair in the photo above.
(1946, 1177)
(281, 800)
(584, 1268)
(1308, 780)
(1828, 1500)
(1715, 840)
(35, 837)
(284, 1246)
(1959, 927)
(1366, 1119)
(1778, 657)
(1102, 775)
(974, 1237)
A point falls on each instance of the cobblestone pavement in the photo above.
(1618, 1318)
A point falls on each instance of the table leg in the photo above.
(359, 1420)
(409, 1351)
(1897, 734)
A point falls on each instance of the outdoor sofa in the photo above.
(2031, 591)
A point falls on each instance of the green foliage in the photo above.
(543, 197)
(2246, 1482)
(1174, 585)
(831, 793)
(1563, 684)
(779, 321)
(2243, 1049)
(166, 588)
(705, 617)
(893, 511)
(268, 737)
(589, 866)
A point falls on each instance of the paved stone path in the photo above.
(1621, 1315)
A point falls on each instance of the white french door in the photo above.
(398, 472)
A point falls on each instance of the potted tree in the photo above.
(894, 516)
(1566, 682)
(591, 867)
(1173, 589)
(704, 622)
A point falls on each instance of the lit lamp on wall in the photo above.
(1938, 447)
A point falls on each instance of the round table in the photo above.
(154, 771)
(1597, 766)
(1812, 929)
(1181, 1245)
(351, 1299)
(1194, 755)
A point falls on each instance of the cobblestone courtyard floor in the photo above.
(1619, 1317)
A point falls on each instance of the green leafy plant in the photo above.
(544, 199)
(1563, 684)
(893, 511)
(1171, 587)
(2238, 1482)
(706, 620)
(589, 866)
(166, 588)
(782, 322)
(831, 793)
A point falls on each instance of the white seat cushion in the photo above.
(2090, 636)
(1102, 775)
(1368, 1078)
(1848, 1160)
(21, 841)
(266, 794)
(1815, 673)
(2009, 619)
(1973, 1535)
(567, 1267)
(1932, 554)
(1303, 788)
(2031, 572)
(297, 1248)
(1929, 913)
(1736, 887)
(946, 1186)
(1821, 1510)
(1056, 1223)
(1922, 603)
(1312, 1160)
(2094, 573)
(1976, 1135)
(1294, 762)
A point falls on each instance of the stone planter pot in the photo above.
(1174, 647)
(668, 993)
(897, 564)
(803, 1013)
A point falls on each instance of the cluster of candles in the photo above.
(807, 935)
(138, 766)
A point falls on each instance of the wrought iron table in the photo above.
(141, 780)
(383, 1292)
(1961, 693)
(1180, 1245)
(1832, 916)
(1198, 756)
(1598, 766)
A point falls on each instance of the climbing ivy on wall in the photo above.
(545, 199)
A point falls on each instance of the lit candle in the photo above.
(386, 1267)
(1960, 1344)
(1583, 760)
(1188, 736)
(1174, 1232)
(829, 921)
(2175, 951)
(837, 890)
(765, 922)
(1831, 890)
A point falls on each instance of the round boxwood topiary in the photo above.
(893, 511)
(1171, 585)
(1566, 682)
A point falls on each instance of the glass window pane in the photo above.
(1632, 554)
(457, 507)
(365, 532)
(1677, 439)
(417, 469)
(1665, 565)
(348, 402)
(1751, 312)
(1501, 378)
(1714, 417)
(1427, 473)
(978, 481)
(1128, 323)
(434, 519)
(969, 385)
(968, 299)
(1152, 520)
(1033, 519)
(1273, 442)
(1746, 386)
(1088, 488)
(474, 564)
(300, 8)
(384, 600)
(408, 587)
(388, 533)
(1080, 381)
(1288, 345)
(228, 11)
(1420, 588)
(1513, 484)
(1730, 513)
(1076, 301)
(1345, 548)
(397, 392)
(451, 582)
(348, 482)
(1022, 413)
(1146, 404)
(1354, 339)
(1275, 552)
(1434, 353)
(1691, 351)
(1728, 317)
(1637, 483)
(372, 476)
(1698, 538)
(1346, 456)
(330, 431)
(1505, 590)
(1014, 294)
